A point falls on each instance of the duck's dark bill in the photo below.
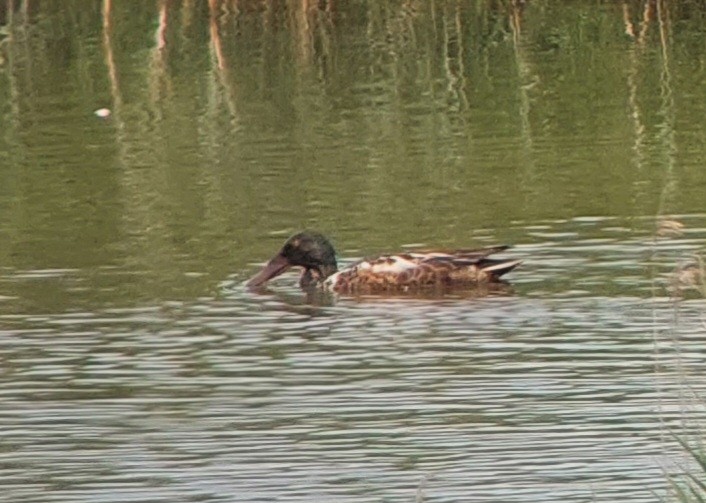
(274, 267)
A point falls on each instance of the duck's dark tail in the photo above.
(496, 268)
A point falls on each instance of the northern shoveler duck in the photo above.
(397, 273)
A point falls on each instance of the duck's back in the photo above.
(420, 271)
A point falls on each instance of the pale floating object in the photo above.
(669, 228)
(689, 276)
(103, 113)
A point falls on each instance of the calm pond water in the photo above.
(134, 365)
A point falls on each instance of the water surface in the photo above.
(134, 365)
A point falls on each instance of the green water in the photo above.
(565, 128)
(379, 124)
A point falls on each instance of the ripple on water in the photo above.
(523, 397)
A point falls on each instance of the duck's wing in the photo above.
(471, 254)
(472, 264)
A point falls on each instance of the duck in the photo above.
(395, 273)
